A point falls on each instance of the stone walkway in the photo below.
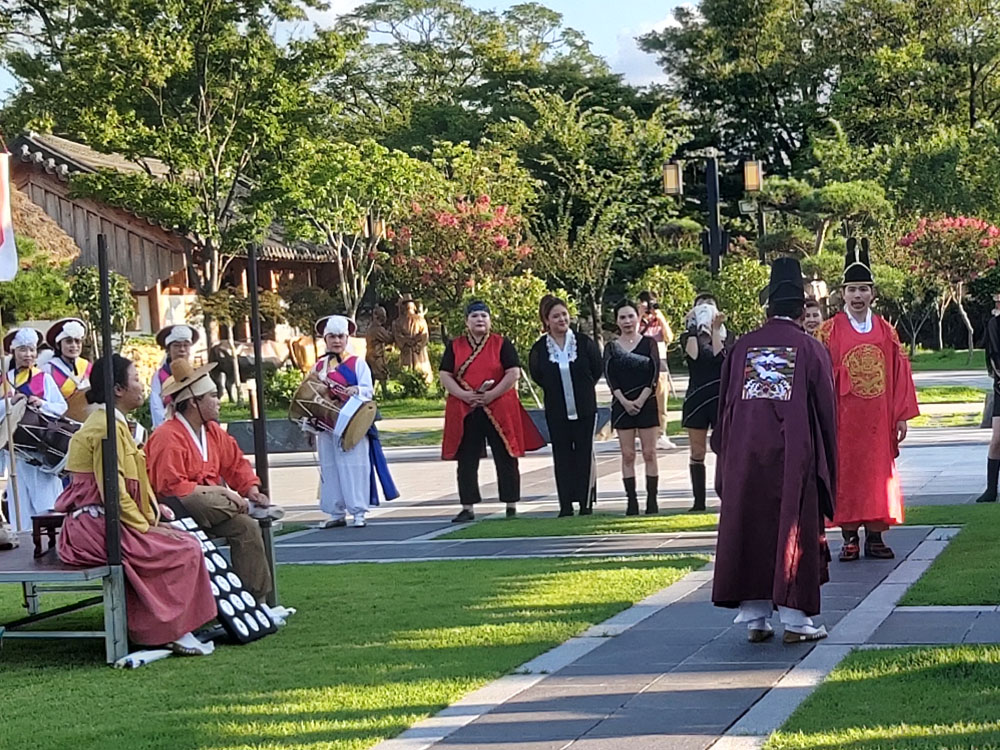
(673, 671)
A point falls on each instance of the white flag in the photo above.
(8, 250)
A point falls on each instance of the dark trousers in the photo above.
(572, 453)
(477, 432)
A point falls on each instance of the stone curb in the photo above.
(767, 715)
(446, 722)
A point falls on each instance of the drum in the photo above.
(313, 408)
(40, 438)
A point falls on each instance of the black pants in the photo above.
(479, 430)
(572, 453)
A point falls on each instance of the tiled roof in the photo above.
(63, 157)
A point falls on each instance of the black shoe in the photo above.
(511, 512)
(465, 515)
(697, 471)
(987, 497)
(333, 523)
(631, 500)
(565, 512)
(586, 510)
(652, 485)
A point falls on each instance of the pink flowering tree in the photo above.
(954, 250)
(443, 252)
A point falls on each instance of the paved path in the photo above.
(683, 676)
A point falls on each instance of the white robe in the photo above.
(157, 410)
(345, 476)
(37, 490)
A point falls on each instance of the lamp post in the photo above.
(753, 182)
(714, 240)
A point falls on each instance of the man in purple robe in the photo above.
(776, 442)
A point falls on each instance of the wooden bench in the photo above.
(49, 573)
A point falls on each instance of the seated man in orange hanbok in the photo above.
(167, 591)
(875, 398)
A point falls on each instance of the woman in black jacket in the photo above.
(567, 366)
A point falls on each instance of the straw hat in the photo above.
(186, 382)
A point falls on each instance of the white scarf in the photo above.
(862, 327)
(562, 358)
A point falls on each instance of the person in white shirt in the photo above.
(177, 341)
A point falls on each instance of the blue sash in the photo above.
(379, 466)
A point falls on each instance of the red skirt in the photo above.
(167, 592)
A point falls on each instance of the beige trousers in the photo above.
(219, 518)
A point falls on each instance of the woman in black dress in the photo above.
(704, 343)
(567, 366)
(632, 368)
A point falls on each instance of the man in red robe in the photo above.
(777, 419)
(876, 397)
(480, 371)
(193, 461)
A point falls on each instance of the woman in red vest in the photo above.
(480, 371)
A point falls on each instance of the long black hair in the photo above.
(120, 365)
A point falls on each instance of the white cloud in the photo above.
(638, 67)
(326, 18)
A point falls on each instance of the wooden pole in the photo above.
(259, 414)
(11, 460)
(112, 512)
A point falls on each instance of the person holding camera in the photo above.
(704, 344)
(654, 324)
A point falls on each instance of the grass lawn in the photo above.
(963, 419)
(968, 571)
(409, 438)
(948, 359)
(949, 394)
(230, 412)
(598, 523)
(411, 407)
(373, 649)
(903, 699)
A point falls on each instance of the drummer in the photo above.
(68, 369)
(346, 477)
(177, 341)
(37, 490)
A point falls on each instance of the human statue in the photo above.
(378, 337)
(411, 334)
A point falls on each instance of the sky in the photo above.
(610, 25)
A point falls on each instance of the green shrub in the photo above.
(279, 387)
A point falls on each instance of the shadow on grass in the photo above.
(373, 649)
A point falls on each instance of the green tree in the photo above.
(737, 288)
(85, 296)
(347, 197)
(39, 291)
(197, 94)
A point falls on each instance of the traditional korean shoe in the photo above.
(805, 635)
(586, 509)
(333, 523)
(850, 552)
(188, 645)
(565, 512)
(511, 512)
(851, 549)
(759, 635)
(987, 497)
(876, 549)
(274, 512)
(463, 516)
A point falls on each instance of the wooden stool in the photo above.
(49, 523)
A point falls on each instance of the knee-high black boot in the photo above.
(992, 473)
(632, 501)
(698, 485)
(652, 484)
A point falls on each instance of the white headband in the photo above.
(336, 325)
(179, 333)
(72, 330)
(25, 337)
